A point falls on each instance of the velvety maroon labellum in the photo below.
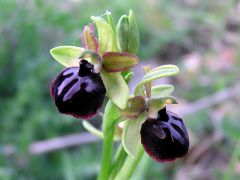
(78, 91)
(165, 138)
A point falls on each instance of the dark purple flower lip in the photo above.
(165, 138)
(78, 91)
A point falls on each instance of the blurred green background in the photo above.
(200, 36)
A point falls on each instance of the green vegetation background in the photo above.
(169, 31)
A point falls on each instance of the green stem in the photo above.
(233, 162)
(110, 119)
(129, 166)
(106, 154)
(120, 158)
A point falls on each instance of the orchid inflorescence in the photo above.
(101, 67)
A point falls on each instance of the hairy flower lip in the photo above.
(171, 145)
(78, 91)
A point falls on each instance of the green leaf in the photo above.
(118, 61)
(162, 91)
(135, 106)
(131, 134)
(134, 41)
(156, 73)
(67, 55)
(116, 87)
(106, 35)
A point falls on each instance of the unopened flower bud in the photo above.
(127, 34)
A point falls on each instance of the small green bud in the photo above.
(127, 34)
(133, 43)
(122, 31)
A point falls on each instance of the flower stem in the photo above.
(106, 154)
(120, 158)
(130, 165)
(110, 119)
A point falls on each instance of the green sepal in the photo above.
(106, 35)
(67, 55)
(131, 134)
(116, 87)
